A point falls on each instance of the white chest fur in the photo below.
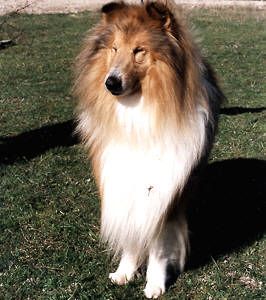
(137, 186)
(139, 180)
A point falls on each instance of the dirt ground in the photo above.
(73, 6)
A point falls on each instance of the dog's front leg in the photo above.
(167, 253)
(126, 269)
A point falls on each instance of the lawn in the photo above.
(49, 209)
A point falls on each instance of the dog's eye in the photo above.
(114, 49)
(139, 54)
(137, 50)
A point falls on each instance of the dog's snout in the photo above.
(114, 84)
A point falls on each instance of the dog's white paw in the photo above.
(153, 291)
(119, 278)
(126, 270)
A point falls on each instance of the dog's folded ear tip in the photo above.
(109, 7)
(161, 12)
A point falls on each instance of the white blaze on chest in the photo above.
(137, 186)
(137, 171)
(139, 180)
(131, 115)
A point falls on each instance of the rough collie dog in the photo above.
(147, 114)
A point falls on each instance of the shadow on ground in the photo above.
(28, 145)
(228, 211)
(235, 110)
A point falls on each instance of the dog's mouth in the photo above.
(116, 93)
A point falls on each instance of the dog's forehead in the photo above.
(133, 27)
(132, 37)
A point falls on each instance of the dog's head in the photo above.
(133, 37)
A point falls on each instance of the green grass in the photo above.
(49, 211)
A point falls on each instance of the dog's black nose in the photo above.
(114, 85)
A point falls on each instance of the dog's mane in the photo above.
(176, 68)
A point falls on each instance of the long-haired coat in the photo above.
(147, 114)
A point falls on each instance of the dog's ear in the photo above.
(110, 8)
(160, 11)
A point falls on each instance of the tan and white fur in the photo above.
(147, 113)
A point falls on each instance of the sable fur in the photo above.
(159, 129)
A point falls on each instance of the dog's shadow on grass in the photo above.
(228, 210)
(30, 144)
